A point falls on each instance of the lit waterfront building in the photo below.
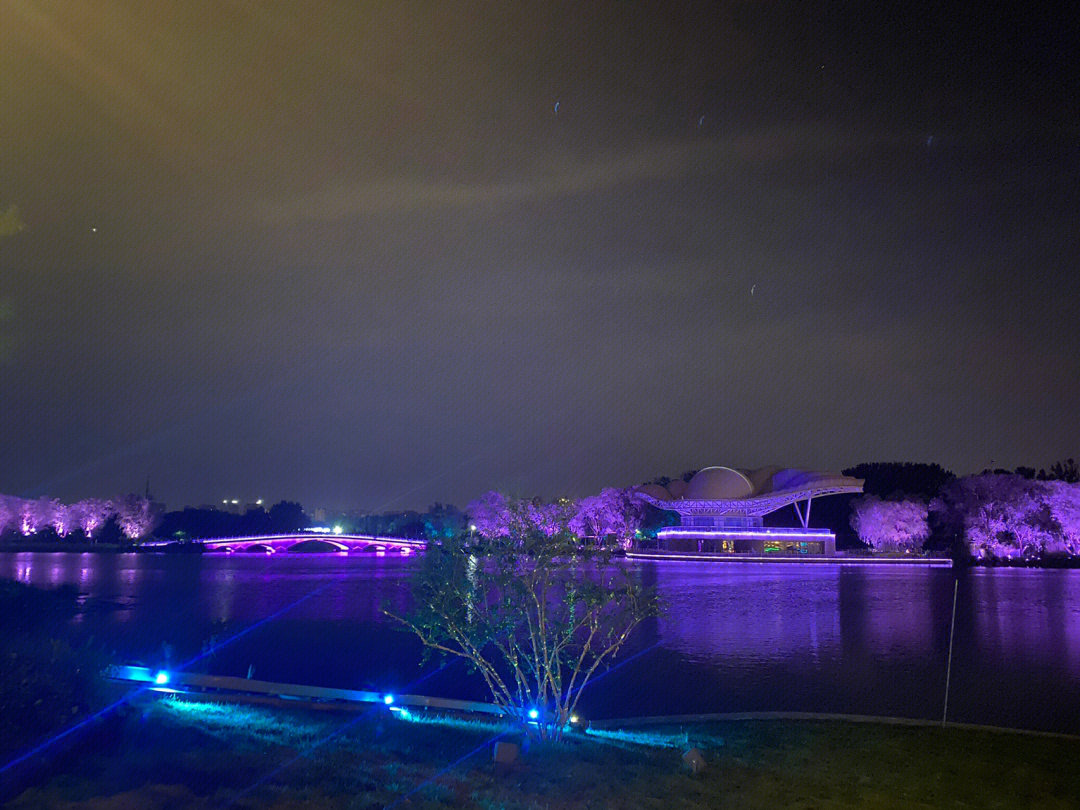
(721, 509)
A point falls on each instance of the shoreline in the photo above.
(838, 559)
(644, 555)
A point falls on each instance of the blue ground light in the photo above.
(388, 700)
(162, 677)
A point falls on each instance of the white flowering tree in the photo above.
(497, 516)
(614, 513)
(890, 525)
(9, 513)
(1001, 516)
(136, 515)
(37, 514)
(1063, 499)
(90, 514)
(62, 519)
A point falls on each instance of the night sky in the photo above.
(373, 255)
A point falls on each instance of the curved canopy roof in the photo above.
(724, 490)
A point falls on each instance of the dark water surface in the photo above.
(736, 637)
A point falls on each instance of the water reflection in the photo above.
(1019, 614)
(732, 638)
(714, 612)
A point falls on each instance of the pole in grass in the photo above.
(948, 669)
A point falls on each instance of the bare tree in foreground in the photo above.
(536, 616)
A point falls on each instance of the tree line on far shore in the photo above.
(996, 515)
(130, 519)
(1020, 514)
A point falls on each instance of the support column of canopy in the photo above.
(804, 517)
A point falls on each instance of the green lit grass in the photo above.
(196, 755)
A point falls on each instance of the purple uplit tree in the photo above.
(493, 515)
(549, 519)
(999, 516)
(26, 518)
(614, 513)
(37, 514)
(90, 514)
(497, 516)
(890, 525)
(62, 519)
(136, 515)
(9, 513)
(1064, 501)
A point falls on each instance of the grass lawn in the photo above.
(177, 755)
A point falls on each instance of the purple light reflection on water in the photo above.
(761, 637)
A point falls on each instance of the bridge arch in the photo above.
(257, 548)
(344, 543)
(317, 545)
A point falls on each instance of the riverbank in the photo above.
(840, 558)
(847, 557)
(195, 755)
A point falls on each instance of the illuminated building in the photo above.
(721, 509)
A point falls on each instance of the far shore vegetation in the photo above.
(1022, 516)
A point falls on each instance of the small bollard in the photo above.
(694, 760)
(505, 755)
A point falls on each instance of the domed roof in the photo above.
(718, 484)
(762, 478)
(656, 491)
(677, 488)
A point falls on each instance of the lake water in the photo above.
(736, 637)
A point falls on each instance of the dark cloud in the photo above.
(349, 253)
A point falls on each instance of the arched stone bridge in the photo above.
(305, 542)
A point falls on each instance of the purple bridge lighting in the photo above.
(303, 542)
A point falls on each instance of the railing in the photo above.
(368, 539)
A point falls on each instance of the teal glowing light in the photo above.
(161, 678)
(388, 700)
(533, 714)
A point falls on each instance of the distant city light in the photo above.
(337, 528)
